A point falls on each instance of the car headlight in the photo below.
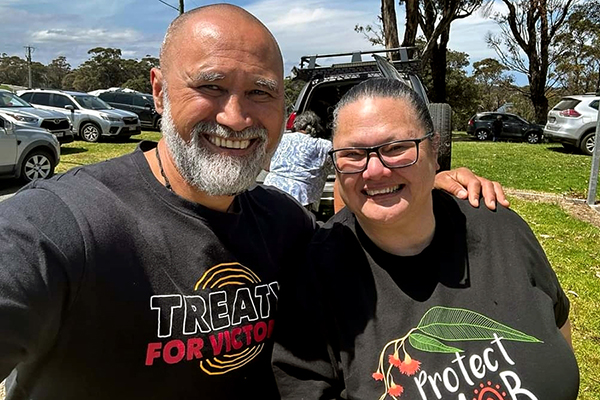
(23, 118)
(110, 118)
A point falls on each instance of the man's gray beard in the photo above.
(213, 173)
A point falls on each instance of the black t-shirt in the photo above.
(113, 287)
(474, 316)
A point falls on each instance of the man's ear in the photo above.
(156, 80)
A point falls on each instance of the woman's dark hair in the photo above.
(387, 88)
(310, 123)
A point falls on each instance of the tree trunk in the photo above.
(412, 22)
(437, 62)
(390, 28)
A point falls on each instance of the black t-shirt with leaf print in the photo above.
(475, 316)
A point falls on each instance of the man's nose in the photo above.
(233, 114)
(375, 168)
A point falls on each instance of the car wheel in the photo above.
(482, 134)
(441, 116)
(587, 143)
(90, 132)
(37, 165)
(158, 123)
(532, 137)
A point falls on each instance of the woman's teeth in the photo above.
(382, 191)
(228, 143)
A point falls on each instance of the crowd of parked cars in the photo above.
(35, 122)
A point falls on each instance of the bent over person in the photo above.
(156, 275)
(410, 293)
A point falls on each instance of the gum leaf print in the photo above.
(455, 324)
(429, 344)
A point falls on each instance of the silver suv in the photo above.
(91, 117)
(26, 152)
(572, 122)
(26, 114)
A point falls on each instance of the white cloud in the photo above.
(91, 36)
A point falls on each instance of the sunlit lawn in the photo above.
(544, 167)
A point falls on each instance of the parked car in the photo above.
(126, 99)
(91, 117)
(26, 114)
(26, 151)
(325, 85)
(513, 127)
(572, 122)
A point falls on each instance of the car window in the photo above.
(41, 99)
(91, 102)
(122, 98)
(487, 117)
(26, 96)
(139, 101)
(58, 100)
(566, 104)
(594, 104)
(107, 96)
(10, 100)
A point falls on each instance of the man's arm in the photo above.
(33, 274)
(463, 183)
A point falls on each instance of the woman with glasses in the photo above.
(411, 293)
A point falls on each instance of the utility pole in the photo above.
(181, 10)
(28, 51)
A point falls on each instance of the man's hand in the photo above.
(463, 183)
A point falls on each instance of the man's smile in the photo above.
(229, 143)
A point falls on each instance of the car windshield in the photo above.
(9, 100)
(91, 102)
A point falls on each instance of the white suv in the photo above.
(26, 151)
(572, 122)
(26, 114)
(91, 117)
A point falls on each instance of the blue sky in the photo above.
(302, 27)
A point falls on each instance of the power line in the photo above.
(167, 4)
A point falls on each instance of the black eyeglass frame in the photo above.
(375, 149)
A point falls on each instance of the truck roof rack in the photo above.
(356, 66)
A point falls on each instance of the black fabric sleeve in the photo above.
(541, 274)
(39, 240)
(304, 361)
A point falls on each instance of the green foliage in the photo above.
(579, 45)
(292, 89)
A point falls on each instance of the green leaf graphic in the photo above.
(429, 344)
(456, 324)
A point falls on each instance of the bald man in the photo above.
(155, 275)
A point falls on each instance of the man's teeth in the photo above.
(228, 143)
(383, 191)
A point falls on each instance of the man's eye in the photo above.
(257, 92)
(213, 88)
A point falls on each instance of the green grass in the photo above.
(542, 167)
(79, 153)
(571, 245)
(572, 249)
